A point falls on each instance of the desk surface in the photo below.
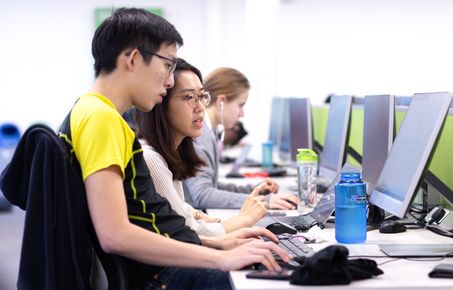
(398, 274)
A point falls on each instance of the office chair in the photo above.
(59, 238)
(113, 267)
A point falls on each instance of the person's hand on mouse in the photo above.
(283, 200)
(271, 185)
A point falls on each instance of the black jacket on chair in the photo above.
(40, 179)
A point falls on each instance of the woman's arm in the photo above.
(201, 191)
(163, 181)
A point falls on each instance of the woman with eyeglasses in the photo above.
(167, 135)
(229, 90)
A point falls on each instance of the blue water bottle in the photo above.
(350, 209)
(9, 137)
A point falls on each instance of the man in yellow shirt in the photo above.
(135, 56)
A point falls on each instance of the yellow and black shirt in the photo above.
(99, 137)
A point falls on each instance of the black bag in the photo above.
(331, 266)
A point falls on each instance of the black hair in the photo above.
(155, 128)
(130, 28)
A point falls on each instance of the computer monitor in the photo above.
(284, 137)
(297, 129)
(378, 134)
(334, 150)
(276, 120)
(440, 183)
(410, 152)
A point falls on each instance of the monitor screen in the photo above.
(300, 125)
(284, 140)
(410, 152)
(276, 120)
(296, 129)
(334, 150)
(378, 133)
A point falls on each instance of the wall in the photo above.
(46, 53)
(306, 48)
(365, 47)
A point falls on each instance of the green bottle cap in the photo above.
(306, 155)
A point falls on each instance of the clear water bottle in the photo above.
(350, 209)
(307, 169)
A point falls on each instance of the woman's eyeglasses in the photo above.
(193, 99)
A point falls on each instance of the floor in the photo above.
(11, 227)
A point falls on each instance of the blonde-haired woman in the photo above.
(229, 90)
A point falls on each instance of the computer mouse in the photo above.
(264, 192)
(321, 188)
(279, 228)
(392, 227)
(234, 175)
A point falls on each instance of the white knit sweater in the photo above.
(172, 190)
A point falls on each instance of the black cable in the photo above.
(440, 231)
(416, 219)
(450, 254)
(389, 261)
(368, 256)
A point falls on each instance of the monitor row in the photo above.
(393, 166)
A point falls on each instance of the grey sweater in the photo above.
(204, 190)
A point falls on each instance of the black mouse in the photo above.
(264, 192)
(392, 227)
(281, 228)
(234, 175)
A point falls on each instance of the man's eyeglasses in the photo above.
(193, 99)
(169, 62)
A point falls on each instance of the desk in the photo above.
(398, 274)
(287, 183)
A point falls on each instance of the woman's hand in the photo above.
(254, 207)
(238, 237)
(271, 185)
(241, 236)
(283, 201)
(199, 215)
(210, 219)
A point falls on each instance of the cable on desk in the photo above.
(389, 261)
(367, 256)
(371, 256)
(440, 231)
(450, 254)
(403, 258)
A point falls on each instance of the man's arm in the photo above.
(108, 210)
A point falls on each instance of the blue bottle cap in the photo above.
(9, 135)
(350, 177)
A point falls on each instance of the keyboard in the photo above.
(300, 222)
(295, 246)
